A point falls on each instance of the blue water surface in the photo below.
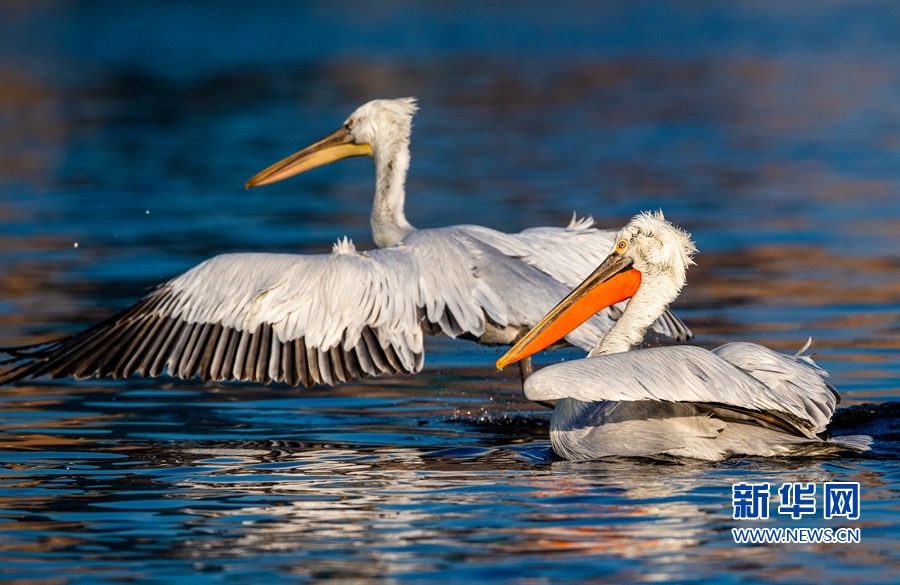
(769, 130)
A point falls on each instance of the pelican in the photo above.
(331, 318)
(738, 399)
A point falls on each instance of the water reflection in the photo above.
(315, 511)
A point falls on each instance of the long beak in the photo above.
(613, 281)
(331, 148)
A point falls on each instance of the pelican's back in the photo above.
(763, 382)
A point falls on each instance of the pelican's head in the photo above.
(654, 247)
(649, 252)
(374, 127)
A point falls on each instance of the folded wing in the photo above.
(745, 377)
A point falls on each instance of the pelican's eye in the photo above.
(621, 246)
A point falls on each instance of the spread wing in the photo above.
(255, 317)
(318, 319)
(569, 255)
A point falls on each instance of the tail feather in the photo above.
(855, 442)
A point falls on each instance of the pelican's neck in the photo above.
(644, 308)
(389, 224)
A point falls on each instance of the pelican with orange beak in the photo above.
(324, 319)
(738, 399)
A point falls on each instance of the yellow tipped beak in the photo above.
(331, 148)
(612, 282)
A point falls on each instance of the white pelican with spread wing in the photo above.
(738, 399)
(330, 318)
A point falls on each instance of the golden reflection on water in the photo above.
(796, 275)
(240, 498)
(35, 133)
(385, 504)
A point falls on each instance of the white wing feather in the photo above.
(311, 319)
(569, 255)
(693, 374)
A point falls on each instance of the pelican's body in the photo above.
(329, 318)
(738, 399)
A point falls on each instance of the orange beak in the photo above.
(331, 148)
(612, 282)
